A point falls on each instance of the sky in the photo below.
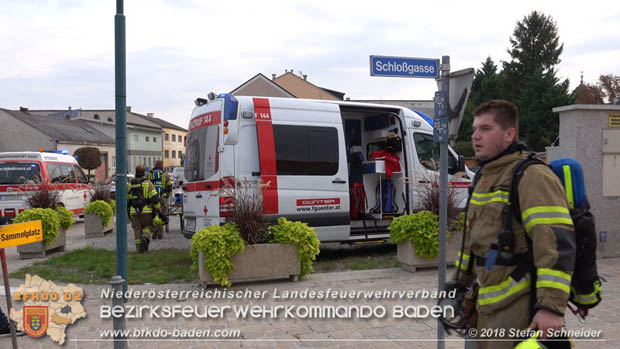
(56, 54)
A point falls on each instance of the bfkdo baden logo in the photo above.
(47, 308)
(35, 320)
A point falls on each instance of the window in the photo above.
(167, 154)
(146, 139)
(114, 161)
(61, 173)
(166, 136)
(201, 157)
(110, 120)
(20, 173)
(174, 154)
(154, 139)
(180, 154)
(180, 138)
(96, 116)
(428, 153)
(135, 138)
(305, 150)
(185, 139)
(174, 138)
(80, 175)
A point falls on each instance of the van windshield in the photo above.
(20, 173)
(201, 160)
(428, 153)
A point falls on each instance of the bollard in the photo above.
(120, 342)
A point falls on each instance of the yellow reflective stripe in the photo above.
(464, 257)
(589, 298)
(553, 279)
(545, 215)
(568, 186)
(483, 199)
(497, 293)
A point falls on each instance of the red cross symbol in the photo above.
(205, 210)
(85, 196)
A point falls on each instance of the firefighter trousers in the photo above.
(142, 225)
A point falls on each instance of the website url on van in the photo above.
(318, 208)
(176, 333)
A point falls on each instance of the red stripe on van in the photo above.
(77, 211)
(267, 155)
(201, 186)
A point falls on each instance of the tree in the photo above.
(541, 92)
(589, 94)
(89, 158)
(610, 84)
(529, 79)
(486, 86)
(535, 45)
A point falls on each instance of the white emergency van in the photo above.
(23, 173)
(345, 168)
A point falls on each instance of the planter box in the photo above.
(410, 261)
(93, 227)
(259, 262)
(39, 249)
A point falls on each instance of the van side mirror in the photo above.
(461, 164)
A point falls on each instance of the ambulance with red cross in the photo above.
(24, 173)
(345, 168)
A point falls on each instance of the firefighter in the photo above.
(163, 186)
(142, 206)
(503, 304)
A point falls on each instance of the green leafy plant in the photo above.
(218, 245)
(49, 221)
(102, 209)
(112, 204)
(65, 217)
(459, 223)
(421, 228)
(300, 235)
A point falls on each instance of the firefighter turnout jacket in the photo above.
(161, 181)
(142, 197)
(545, 219)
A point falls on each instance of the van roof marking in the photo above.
(204, 120)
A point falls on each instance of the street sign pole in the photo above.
(443, 190)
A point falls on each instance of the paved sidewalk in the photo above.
(266, 331)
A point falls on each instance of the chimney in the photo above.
(285, 71)
(129, 109)
(306, 77)
(273, 76)
(150, 115)
(23, 109)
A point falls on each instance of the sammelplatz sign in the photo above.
(404, 67)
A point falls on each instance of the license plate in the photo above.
(190, 224)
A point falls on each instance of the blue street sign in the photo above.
(404, 67)
(440, 125)
(440, 130)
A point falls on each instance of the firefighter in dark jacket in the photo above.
(163, 186)
(142, 205)
(503, 300)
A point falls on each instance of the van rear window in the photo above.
(201, 158)
(20, 173)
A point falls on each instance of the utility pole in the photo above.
(120, 77)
